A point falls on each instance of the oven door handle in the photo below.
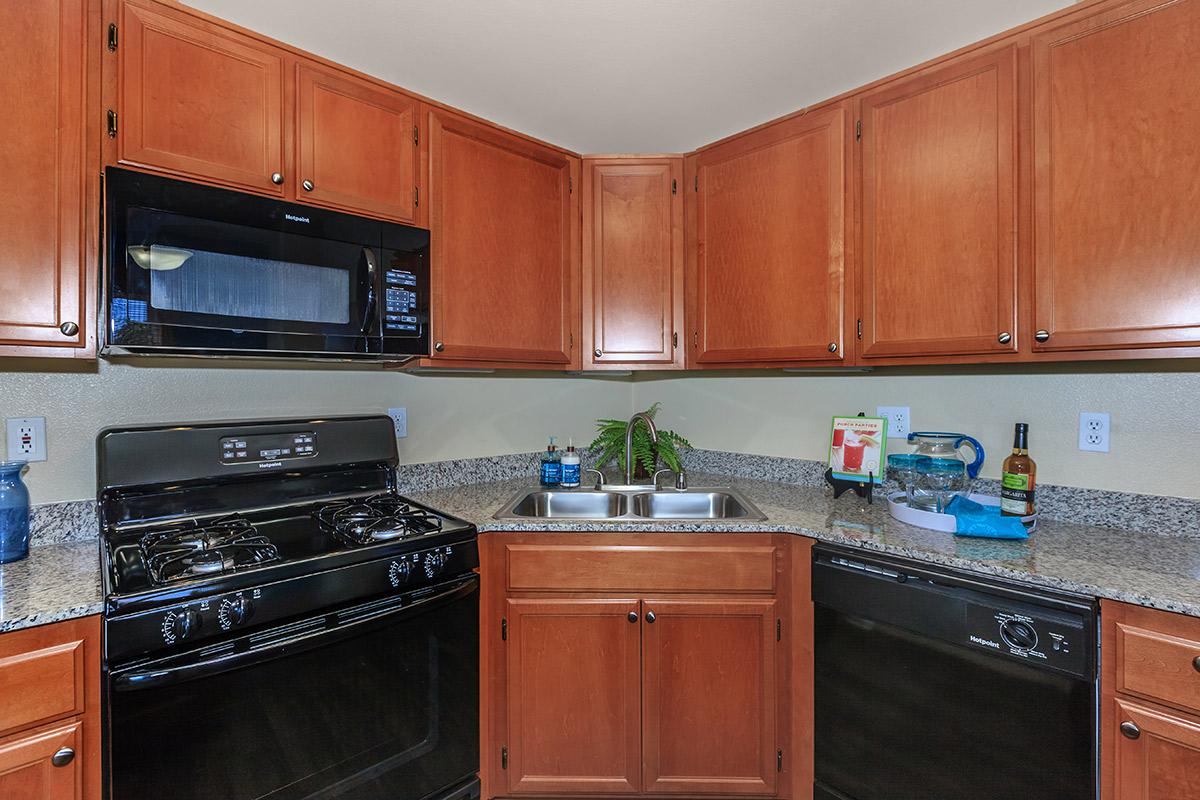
(370, 313)
(140, 679)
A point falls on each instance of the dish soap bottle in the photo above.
(551, 473)
(570, 466)
(1019, 477)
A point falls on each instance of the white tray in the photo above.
(898, 507)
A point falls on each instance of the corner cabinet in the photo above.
(641, 664)
(1116, 110)
(939, 211)
(505, 226)
(47, 234)
(633, 263)
(770, 255)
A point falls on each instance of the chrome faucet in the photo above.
(644, 417)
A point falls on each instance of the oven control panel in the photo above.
(268, 447)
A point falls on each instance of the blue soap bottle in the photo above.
(551, 472)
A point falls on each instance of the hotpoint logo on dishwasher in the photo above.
(295, 218)
(985, 642)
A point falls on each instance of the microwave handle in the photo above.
(137, 680)
(369, 316)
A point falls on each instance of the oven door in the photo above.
(375, 702)
(196, 269)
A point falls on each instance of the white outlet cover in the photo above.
(26, 438)
(899, 423)
(1094, 428)
(399, 421)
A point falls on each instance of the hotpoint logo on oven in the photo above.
(270, 464)
(295, 218)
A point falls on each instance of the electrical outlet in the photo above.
(898, 426)
(1093, 431)
(399, 421)
(27, 439)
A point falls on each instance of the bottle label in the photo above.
(570, 474)
(551, 473)
(1016, 494)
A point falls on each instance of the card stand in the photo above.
(860, 488)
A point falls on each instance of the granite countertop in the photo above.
(1156, 570)
(56, 582)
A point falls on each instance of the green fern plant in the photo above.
(610, 444)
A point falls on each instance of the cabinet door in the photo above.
(1116, 111)
(199, 100)
(504, 245)
(356, 145)
(939, 178)
(709, 697)
(573, 696)
(27, 770)
(770, 265)
(1161, 762)
(45, 245)
(632, 262)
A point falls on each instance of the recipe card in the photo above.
(856, 448)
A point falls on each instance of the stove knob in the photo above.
(434, 564)
(235, 611)
(1018, 635)
(399, 573)
(179, 625)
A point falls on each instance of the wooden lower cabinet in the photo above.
(660, 683)
(1162, 762)
(34, 766)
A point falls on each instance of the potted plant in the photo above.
(610, 443)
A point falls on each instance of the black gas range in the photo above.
(279, 622)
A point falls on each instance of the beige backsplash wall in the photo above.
(1155, 410)
(448, 416)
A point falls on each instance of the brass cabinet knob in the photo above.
(1130, 730)
(1042, 336)
(276, 178)
(598, 352)
(69, 328)
(833, 347)
(439, 347)
(63, 757)
(308, 186)
(1004, 338)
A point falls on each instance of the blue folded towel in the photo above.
(976, 519)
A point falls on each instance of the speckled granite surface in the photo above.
(1111, 562)
(56, 582)
(58, 523)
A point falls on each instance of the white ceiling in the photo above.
(612, 76)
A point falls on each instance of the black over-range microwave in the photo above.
(196, 270)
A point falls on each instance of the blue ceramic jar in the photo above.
(14, 512)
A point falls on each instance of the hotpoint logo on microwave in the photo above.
(295, 218)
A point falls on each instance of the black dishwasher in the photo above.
(932, 685)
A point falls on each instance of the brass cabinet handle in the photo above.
(1042, 336)
(308, 186)
(633, 616)
(833, 347)
(69, 328)
(1130, 730)
(1004, 338)
(598, 352)
(276, 178)
(650, 617)
(439, 347)
(63, 757)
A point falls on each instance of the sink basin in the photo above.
(629, 503)
(698, 504)
(571, 505)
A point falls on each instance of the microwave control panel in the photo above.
(400, 304)
(268, 447)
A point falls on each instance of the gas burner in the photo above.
(380, 518)
(196, 549)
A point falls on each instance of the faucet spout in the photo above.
(633, 421)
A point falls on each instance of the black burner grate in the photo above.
(380, 518)
(198, 549)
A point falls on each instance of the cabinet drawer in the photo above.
(1162, 666)
(41, 685)
(641, 568)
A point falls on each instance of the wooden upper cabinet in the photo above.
(709, 697)
(356, 145)
(939, 213)
(46, 240)
(632, 262)
(199, 100)
(574, 696)
(504, 246)
(771, 232)
(1116, 115)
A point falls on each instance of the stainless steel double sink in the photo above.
(629, 503)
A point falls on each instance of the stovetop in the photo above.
(226, 551)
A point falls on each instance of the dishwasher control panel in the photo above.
(1043, 637)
